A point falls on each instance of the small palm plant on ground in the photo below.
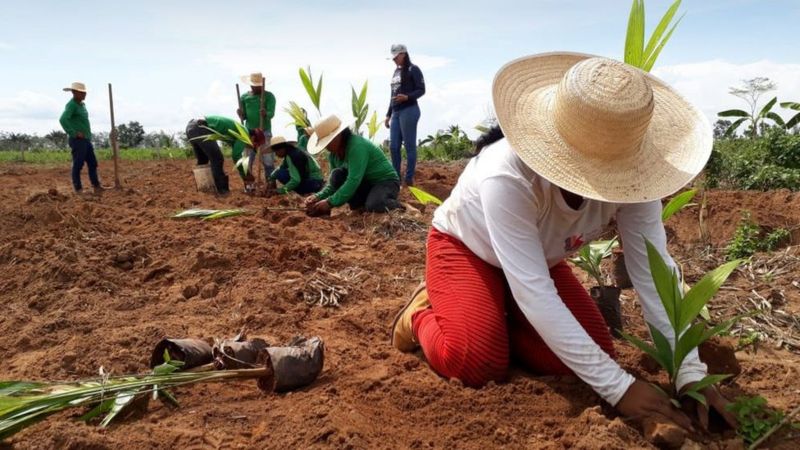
(682, 310)
(590, 258)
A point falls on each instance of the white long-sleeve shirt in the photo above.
(516, 220)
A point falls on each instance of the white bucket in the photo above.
(203, 178)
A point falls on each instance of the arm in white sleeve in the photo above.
(644, 219)
(511, 220)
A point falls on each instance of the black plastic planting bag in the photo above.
(298, 364)
(193, 352)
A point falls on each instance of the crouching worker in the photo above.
(588, 140)
(208, 152)
(361, 176)
(299, 171)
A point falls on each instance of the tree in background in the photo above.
(751, 91)
(721, 127)
(131, 134)
(58, 139)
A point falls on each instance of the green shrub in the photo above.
(768, 162)
(750, 238)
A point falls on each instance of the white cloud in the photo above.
(706, 83)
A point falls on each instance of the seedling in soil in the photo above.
(682, 311)
(591, 255)
(424, 197)
(677, 203)
(755, 418)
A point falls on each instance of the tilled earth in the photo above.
(97, 281)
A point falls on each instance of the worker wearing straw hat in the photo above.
(254, 112)
(588, 140)
(75, 122)
(299, 171)
(361, 176)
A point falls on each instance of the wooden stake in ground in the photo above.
(114, 146)
(259, 154)
(239, 102)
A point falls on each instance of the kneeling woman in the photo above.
(588, 140)
(298, 172)
(361, 176)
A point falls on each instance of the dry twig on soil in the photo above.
(326, 288)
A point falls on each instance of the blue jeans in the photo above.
(83, 152)
(306, 187)
(404, 131)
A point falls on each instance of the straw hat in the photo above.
(76, 86)
(600, 128)
(324, 132)
(254, 79)
(280, 140)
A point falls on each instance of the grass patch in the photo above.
(103, 154)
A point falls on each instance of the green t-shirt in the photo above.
(250, 104)
(76, 119)
(314, 172)
(221, 124)
(302, 138)
(364, 162)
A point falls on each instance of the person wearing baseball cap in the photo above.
(588, 141)
(407, 86)
(75, 122)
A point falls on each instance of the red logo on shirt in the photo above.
(573, 243)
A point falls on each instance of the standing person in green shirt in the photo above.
(361, 176)
(75, 122)
(299, 171)
(252, 110)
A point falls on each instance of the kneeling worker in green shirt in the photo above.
(361, 176)
(299, 171)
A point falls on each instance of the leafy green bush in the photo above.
(768, 162)
(750, 238)
(446, 145)
(755, 417)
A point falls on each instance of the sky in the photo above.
(171, 61)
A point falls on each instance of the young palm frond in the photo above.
(23, 403)
(208, 214)
(424, 197)
(636, 54)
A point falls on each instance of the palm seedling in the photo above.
(240, 134)
(24, 403)
(359, 106)
(314, 92)
(208, 214)
(682, 309)
(373, 125)
(298, 115)
(636, 53)
(677, 203)
(424, 197)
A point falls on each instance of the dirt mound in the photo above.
(90, 281)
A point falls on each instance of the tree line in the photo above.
(130, 135)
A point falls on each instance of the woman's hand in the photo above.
(715, 400)
(642, 400)
(310, 200)
(400, 98)
(387, 121)
(321, 208)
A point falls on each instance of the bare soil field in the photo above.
(97, 281)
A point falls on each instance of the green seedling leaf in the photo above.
(677, 203)
(656, 37)
(701, 293)
(424, 197)
(666, 284)
(634, 40)
(664, 350)
(697, 396)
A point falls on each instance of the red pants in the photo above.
(474, 325)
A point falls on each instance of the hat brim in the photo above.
(246, 80)
(316, 145)
(69, 89)
(676, 146)
(284, 143)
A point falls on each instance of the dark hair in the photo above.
(405, 68)
(488, 138)
(346, 134)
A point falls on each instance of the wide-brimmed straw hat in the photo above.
(324, 132)
(76, 86)
(254, 79)
(600, 128)
(280, 140)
